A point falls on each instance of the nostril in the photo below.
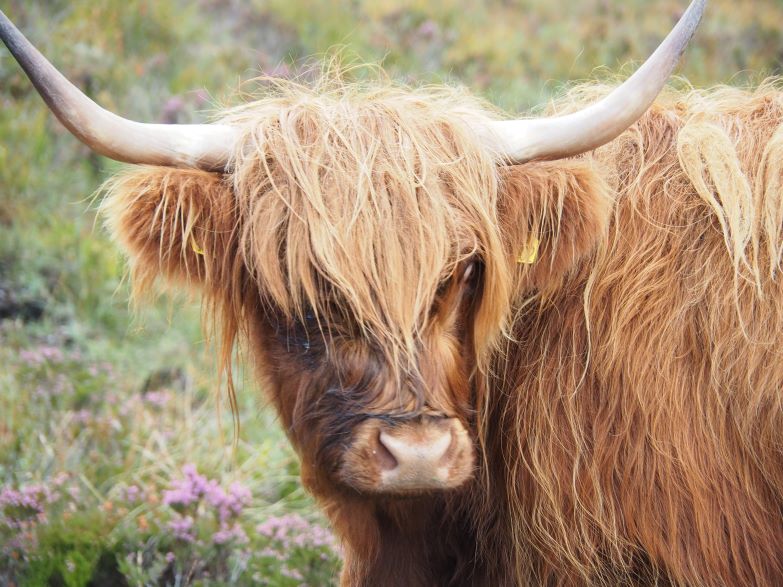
(409, 457)
(419, 451)
(383, 455)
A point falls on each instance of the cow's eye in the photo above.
(442, 287)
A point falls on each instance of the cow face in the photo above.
(362, 420)
(368, 228)
(361, 423)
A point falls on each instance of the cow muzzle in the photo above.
(423, 455)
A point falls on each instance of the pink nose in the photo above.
(409, 452)
(421, 456)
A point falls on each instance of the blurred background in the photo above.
(116, 458)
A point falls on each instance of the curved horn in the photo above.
(204, 146)
(596, 125)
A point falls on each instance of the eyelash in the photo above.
(468, 276)
(469, 273)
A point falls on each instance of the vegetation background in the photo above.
(116, 463)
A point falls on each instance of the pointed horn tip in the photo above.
(568, 135)
(690, 20)
(696, 10)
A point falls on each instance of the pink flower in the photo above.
(293, 531)
(226, 535)
(24, 507)
(428, 29)
(171, 109)
(281, 70)
(194, 488)
(133, 494)
(159, 399)
(182, 528)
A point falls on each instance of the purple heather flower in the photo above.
(225, 535)
(23, 541)
(228, 504)
(187, 491)
(32, 358)
(133, 494)
(182, 528)
(195, 487)
(271, 553)
(74, 491)
(281, 70)
(51, 353)
(82, 417)
(240, 496)
(293, 531)
(42, 354)
(292, 574)
(201, 97)
(24, 507)
(171, 109)
(428, 29)
(159, 399)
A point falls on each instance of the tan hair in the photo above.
(643, 392)
(631, 420)
(377, 193)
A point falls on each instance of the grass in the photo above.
(103, 412)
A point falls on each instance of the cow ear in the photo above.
(175, 223)
(553, 215)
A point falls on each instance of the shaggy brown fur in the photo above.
(643, 388)
(629, 422)
(371, 191)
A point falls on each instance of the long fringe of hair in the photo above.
(357, 202)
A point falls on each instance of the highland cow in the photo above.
(529, 352)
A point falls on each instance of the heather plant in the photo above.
(199, 532)
(81, 514)
(36, 544)
(295, 552)
(21, 511)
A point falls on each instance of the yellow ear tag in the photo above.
(196, 249)
(529, 253)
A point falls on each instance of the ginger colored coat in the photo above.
(623, 392)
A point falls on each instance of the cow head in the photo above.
(354, 242)
(365, 244)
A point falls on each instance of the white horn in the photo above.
(204, 146)
(596, 125)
